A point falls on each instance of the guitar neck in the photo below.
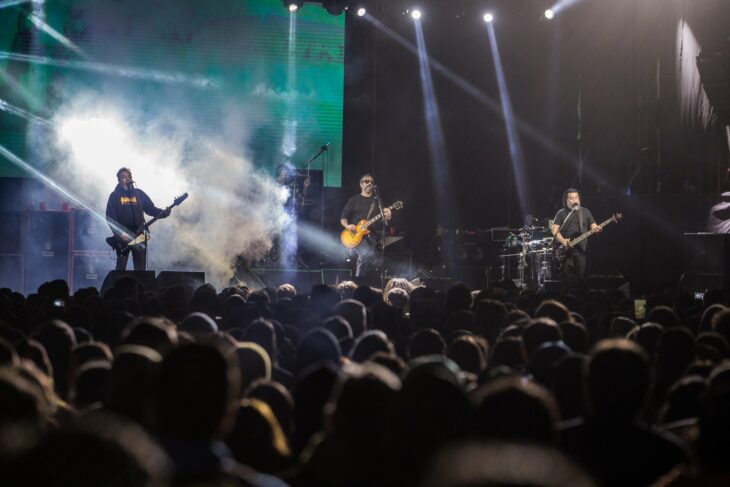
(578, 240)
(154, 219)
(375, 219)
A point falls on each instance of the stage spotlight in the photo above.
(549, 14)
(488, 17)
(416, 14)
(361, 11)
(293, 5)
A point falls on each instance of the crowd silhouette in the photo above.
(354, 386)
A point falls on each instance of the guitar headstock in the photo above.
(397, 205)
(617, 217)
(180, 199)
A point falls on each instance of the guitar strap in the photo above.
(565, 221)
(370, 211)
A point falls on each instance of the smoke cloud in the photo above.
(234, 208)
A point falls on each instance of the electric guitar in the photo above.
(140, 235)
(562, 252)
(352, 240)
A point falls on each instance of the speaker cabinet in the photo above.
(46, 248)
(333, 277)
(89, 270)
(11, 271)
(708, 254)
(190, 281)
(89, 232)
(10, 241)
(145, 278)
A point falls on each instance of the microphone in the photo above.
(576, 206)
(325, 147)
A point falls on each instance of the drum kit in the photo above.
(528, 255)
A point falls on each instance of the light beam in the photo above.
(515, 146)
(110, 69)
(42, 25)
(436, 141)
(562, 155)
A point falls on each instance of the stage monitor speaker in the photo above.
(332, 277)
(46, 248)
(189, 281)
(145, 278)
(89, 270)
(11, 272)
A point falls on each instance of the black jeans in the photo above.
(574, 268)
(138, 258)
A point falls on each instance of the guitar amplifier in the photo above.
(89, 231)
(89, 269)
(11, 271)
(46, 248)
(706, 261)
(10, 243)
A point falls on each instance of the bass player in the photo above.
(571, 221)
(362, 206)
(124, 214)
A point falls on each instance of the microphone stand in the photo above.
(307, 166)
(376, 192)
(145, 230)
(322, 150)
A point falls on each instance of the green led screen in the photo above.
(283, 75)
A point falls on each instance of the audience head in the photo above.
(514, 409)
(196, 392)
(617, 380)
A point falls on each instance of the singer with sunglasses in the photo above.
(363, 206)
(571, 221)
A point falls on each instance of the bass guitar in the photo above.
(352, 239)
(140, 235)
(562, 252)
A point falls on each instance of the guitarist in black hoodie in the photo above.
(571, 221)
(125, 215)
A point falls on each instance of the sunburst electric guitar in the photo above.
(352, 239)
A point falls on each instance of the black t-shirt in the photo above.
(578, 223)
(359, 208)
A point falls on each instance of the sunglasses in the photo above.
(366, 181)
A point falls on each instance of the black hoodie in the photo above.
(125, 208)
